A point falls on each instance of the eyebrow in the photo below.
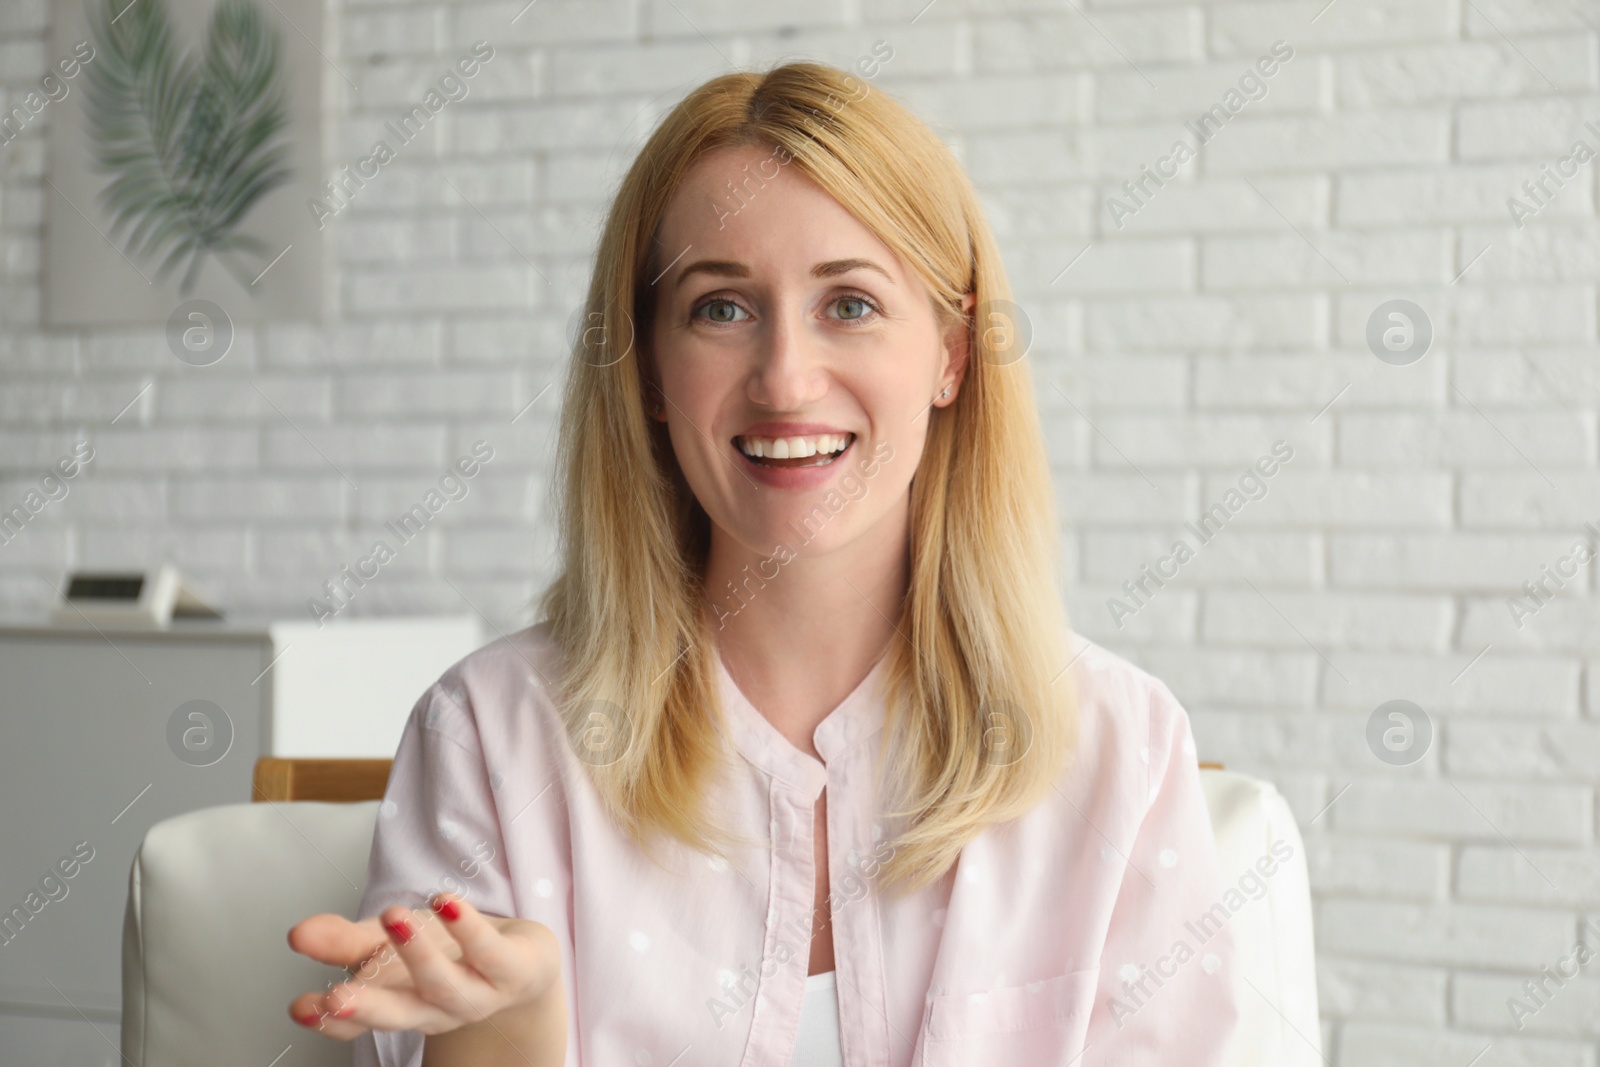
(727, 268)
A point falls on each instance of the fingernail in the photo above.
(446, 909)
(400, 930)
(345, 1012)
(308, 1020)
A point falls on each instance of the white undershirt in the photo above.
(818, 1042)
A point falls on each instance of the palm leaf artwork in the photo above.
(188, 141)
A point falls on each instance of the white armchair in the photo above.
(207, 974)
(1277, 973)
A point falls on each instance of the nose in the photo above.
(789, 372)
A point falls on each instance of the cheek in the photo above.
(698, 388)
(686, 368)
(892, 404)
(692, 427)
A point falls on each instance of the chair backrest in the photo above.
(207, 973)
(205, 965)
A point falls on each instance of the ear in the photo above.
(655, 406)
(958, 348)
(651, 387)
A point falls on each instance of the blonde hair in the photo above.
(976, 728)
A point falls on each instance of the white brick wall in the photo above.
(1227, 312)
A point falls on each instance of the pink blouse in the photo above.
(1083, 933)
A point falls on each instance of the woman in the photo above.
(803, 763)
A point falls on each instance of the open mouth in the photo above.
(821, 450)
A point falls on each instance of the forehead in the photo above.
(747, 204)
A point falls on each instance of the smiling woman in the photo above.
(893, 811)
(807, 318)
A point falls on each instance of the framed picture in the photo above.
(185, 143)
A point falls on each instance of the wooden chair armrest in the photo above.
(336, 780)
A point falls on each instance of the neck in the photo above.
(799, 630)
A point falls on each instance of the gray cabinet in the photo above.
(104, 733)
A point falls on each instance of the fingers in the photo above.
(311, 1012)
(380, 992)
(351, 1009)
(435, 974)
(365, 950)
(483, 948)
(336, 940)
(510, 955)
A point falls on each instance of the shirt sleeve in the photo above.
(437, 829)
(1166, 986)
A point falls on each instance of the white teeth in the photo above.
(793, 447)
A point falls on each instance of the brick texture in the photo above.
(1212, 315)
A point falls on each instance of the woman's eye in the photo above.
(862, 305)
(721, 310)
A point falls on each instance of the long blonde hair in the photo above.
(979, 720)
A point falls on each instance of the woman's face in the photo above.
(779, 317)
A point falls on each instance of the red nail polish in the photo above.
(400, 930)
(447, 910)
(345, 1012)
(308, 1020)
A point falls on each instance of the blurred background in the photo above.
(1350, 242)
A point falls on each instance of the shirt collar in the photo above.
(854, 720)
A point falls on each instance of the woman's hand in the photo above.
(432, 971)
